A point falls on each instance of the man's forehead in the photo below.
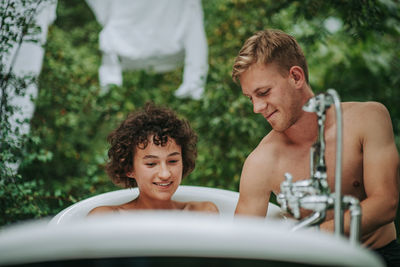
(254, 79)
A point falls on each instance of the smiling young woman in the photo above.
(154, 150)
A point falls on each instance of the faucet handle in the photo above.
(286, 192)
(318, 103)
(288, 199)
(288, 179)
(286, 185)
(295, 207)
(281, 198)
(288, 176)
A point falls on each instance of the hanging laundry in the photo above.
(153, 35)
(26, 60)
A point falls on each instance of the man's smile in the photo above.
(270, 114)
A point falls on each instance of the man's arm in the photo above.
(380, 169)
(381, 166)
(254, 189)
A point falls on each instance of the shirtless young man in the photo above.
(273, 74)
(153, 149)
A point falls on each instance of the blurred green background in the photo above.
(352, 46)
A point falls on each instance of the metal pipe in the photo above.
(338, 218)
(312, 152)
(321, 139)
(314, 193)
(314, 219)
(355, 218)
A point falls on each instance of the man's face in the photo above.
(272, 95)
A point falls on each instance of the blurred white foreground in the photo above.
(152, 238)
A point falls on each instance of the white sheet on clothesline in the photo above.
(155, 35)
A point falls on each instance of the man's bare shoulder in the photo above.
(259, 169)
(259, 177)
(204, 206)
(364, 109)
(267, 150)
(366, 116)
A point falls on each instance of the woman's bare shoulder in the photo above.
(103, 210)
(205, 206)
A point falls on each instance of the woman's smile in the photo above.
(164, 184)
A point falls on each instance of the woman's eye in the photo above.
(173, 161)
(150, 164)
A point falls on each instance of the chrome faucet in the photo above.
(314, 193)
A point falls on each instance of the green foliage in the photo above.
(18, 196)
(359, 58)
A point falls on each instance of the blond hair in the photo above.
(270, 46)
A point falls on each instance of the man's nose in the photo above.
(164, 172)
(259, 106)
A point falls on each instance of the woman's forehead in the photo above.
(153, 146)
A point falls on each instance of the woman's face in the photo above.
(158, 170)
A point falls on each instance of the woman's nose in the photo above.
(164, 172)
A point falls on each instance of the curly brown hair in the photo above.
(137, 129)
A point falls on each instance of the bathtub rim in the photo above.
(225, 200)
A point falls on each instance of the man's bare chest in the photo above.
(297, 162)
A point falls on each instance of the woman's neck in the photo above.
(153, 204)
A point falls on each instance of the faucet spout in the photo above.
(315, 218)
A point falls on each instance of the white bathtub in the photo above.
(174, 238)
(224, 199)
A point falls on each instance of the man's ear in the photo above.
(297, 77)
